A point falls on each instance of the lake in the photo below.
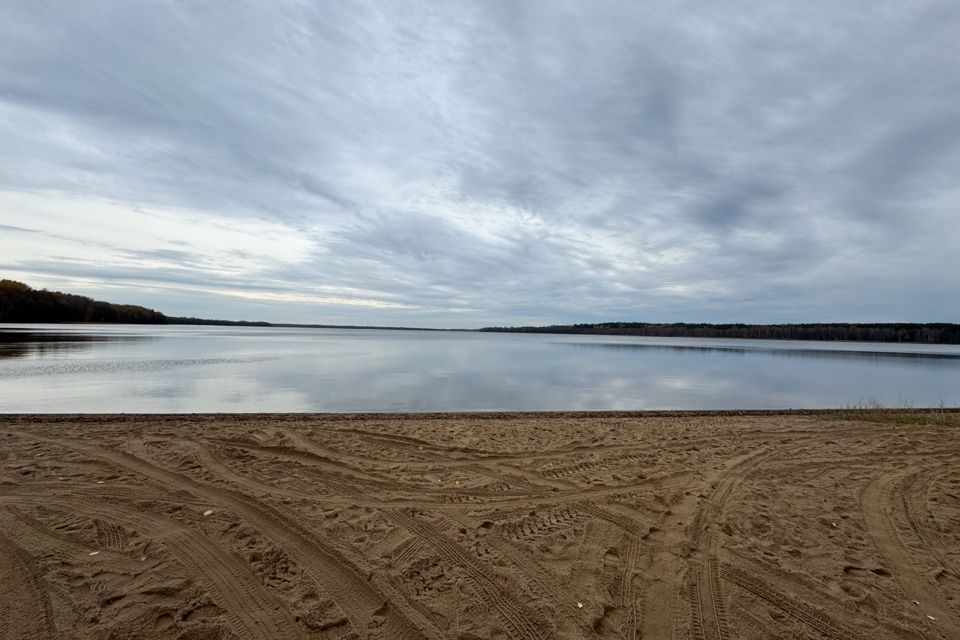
(160, 369)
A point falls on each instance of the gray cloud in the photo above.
(467, 163)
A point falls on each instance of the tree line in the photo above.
(21, 303)
(220, 323)
(929, 333)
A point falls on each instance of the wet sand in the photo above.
(718, 526)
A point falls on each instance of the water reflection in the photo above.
(785, 352)
(26, 344)
(110, 368)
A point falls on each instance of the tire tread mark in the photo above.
(716, 598)
(406, 550)
(527, 526)
(877, 499)
(542, 582)
(706, 597)
(252, 611)
(25, 608)
(516, 621)
(914, 490)
(813, 618)
(109, 536)
(626, 524)
(358, 597)
(629, 599)
(698, 628)
(26, 527)
(213, 463)
(718, 498)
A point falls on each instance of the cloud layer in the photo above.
(470, 163)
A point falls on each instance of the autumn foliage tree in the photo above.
(20, 303)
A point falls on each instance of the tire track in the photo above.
(253, 612)
(212, 463)
(521, 482)
(310, 452)
(581, 539)
(706, 602)
(172, 496)
(877, 500)
(347, 493)
(315, 457)
(356, 595)
(811, 617)
(531, 526)
(518, 457)
(475, 455)
(706, 597)
(109, 536)
(542, 582)
(39, 537)
(535, 480)
(629, 599)
(25, 609)
(517, 622)
(392, 439)
(629, 526)
(406, 551)
(716, 596)
(351, 487)
(698, 619)
(715, 504)
(914, 496)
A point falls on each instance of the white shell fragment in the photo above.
(94, 553)
(208, 512)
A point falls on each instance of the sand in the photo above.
(523, 526)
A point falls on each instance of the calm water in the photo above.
(126, 368)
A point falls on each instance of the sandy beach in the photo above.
(717, 526)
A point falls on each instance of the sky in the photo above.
(465, 164)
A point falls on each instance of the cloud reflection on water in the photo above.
(226, 369)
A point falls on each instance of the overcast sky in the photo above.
(460, 164)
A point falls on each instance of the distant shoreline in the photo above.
(890, 332)
(856, 412)
(293, 325)
(21, 304)
(879, 333)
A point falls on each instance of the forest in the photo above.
(930, 333)
(21, 303)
